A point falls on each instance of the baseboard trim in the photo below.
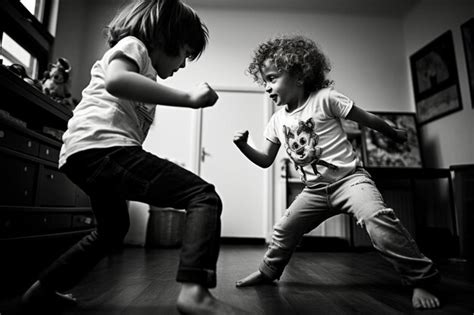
(242, 240)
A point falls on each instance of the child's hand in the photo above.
(241, 137)
(203, 96)
(401, 135)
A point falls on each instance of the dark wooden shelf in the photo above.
(407, 172)
(48, 236)
(16, 92)
(32, 133)
(27, 157)
(45, 209)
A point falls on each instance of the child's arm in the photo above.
(374, 122)
(124, 81)
(263, 158)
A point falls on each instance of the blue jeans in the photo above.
(114, 175)
(356, 195)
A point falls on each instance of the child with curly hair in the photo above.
(102, 153)
(293, 71)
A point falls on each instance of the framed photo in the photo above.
(467, 30)
(435, 79)
(381, 151)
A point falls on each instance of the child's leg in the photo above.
(170, 185)
(161, 183)
(87, 169)
(394, 242)
(306, 212)
(130, 173)
(112, 225)
(359, 196)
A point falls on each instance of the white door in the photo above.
(243, 186)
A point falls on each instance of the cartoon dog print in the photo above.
(301, 146)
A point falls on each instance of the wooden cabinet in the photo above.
(36, 199)
(41, 211)
(17, 182)
(464, 200)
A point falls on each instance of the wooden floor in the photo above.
(142, 281)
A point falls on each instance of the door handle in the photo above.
(204, 154)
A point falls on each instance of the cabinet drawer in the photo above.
(83, 221)
(82, 199)
(27, 224)
(54, 188)
(17, 180)
(48, 153)
(16, 141)
(55, 221)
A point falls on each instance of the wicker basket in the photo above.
(165, 227)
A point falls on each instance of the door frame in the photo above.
(268, 182)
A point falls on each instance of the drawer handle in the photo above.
(25, 169)
(2, 134)
(51, 176)
(26, 192)
(29, 143)
(47, 151)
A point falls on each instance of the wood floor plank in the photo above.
(140, 281)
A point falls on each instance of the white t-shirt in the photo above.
(313, 137)
(102, 120)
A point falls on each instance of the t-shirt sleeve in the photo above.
(270, 132)
(132, 49)
(339, 104)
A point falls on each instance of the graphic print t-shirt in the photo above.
(102, 120)
(313, 137)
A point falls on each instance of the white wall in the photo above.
(448, 140)
(367, 52)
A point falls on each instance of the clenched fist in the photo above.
(241, 137)
(203, 96)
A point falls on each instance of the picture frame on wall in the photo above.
(467, 30)
(435, 79)
(381, 151)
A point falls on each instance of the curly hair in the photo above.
(297, 55)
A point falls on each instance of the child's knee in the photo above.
(213, 199)
(375, 215)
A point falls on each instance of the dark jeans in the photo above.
(114, 175)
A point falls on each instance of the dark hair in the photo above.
(297, 55)
(169, 24)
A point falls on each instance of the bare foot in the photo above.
(196, 299)
(38, 294)
(253, 279)
(424, 299)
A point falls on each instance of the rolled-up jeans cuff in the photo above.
(269, 272)
(426, 282)
(204, 277)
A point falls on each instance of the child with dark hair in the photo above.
(102, 152)
(293, 71)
